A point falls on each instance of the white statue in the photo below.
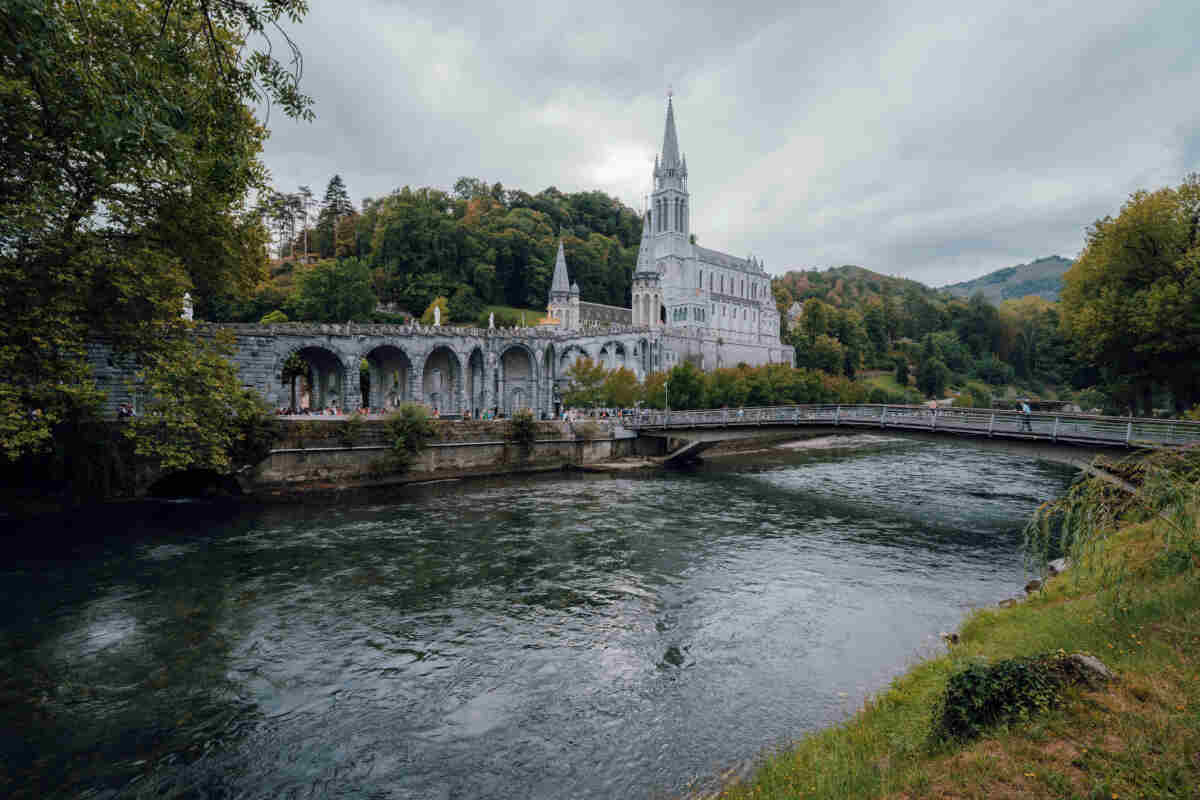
(188, 312)
(492, 321)
(437, 316)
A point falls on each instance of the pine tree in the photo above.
(334, 206)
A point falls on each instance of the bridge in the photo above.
(1069, 438)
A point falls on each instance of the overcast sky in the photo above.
(934, 140)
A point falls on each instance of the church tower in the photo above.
(647, 282)
(562, 301)
(669, 202)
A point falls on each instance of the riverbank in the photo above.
(1133, 600)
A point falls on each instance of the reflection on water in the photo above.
(585, 636)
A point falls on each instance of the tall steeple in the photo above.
(670, 201)
(670, 148)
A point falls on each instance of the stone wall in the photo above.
(319, 453)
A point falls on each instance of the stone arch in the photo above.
(570, 354)
(325, 384)
(390, 376)
(442, 380)
(476, 381)
(613, 355)
(516, 378)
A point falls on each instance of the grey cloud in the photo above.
(919, 139)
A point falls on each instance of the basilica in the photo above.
(711, 307)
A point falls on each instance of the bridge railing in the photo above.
(972, 421)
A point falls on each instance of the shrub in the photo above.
(974, 395)
(408, 427)
(983, 695)
(990, 369)
(273, 316)
(349, 429)
(522, 431)
(880, 396)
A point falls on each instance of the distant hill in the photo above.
(847, 286)
(1042, 278)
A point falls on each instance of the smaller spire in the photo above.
(560, 283)
(575, 288)
(645, 260)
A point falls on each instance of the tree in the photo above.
(586, 389)
(932, 377)
(621, 388)
(902, 371)
(197, 414)
(127, 147)
(686, 386)
(335, 291)
(1131, 301)
(335, 207)
(307, 203)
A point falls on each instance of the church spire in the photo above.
(560, 283)
(645, 259)
(670, 148)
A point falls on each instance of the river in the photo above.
(581, 636)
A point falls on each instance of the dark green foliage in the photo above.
(990, 369)
(686, 387)
(522, 431)
(335, 291)
(128, 146)
(409, 427)
(984, 695)
(902, 370)
(932, 377)
(493, 245)
(464, 305)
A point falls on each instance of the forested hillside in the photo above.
(843, 287)
(849, 319)
(1043, 277)
(479, 245)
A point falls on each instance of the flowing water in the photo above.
(557, 637)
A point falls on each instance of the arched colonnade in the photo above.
(453, 376)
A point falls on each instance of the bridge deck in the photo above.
(1080, 429)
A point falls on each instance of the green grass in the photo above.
(883, 380)
(532, 315)
(1139, 737)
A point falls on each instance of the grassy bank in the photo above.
(1133, 599)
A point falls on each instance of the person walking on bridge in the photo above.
(1026, 416)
